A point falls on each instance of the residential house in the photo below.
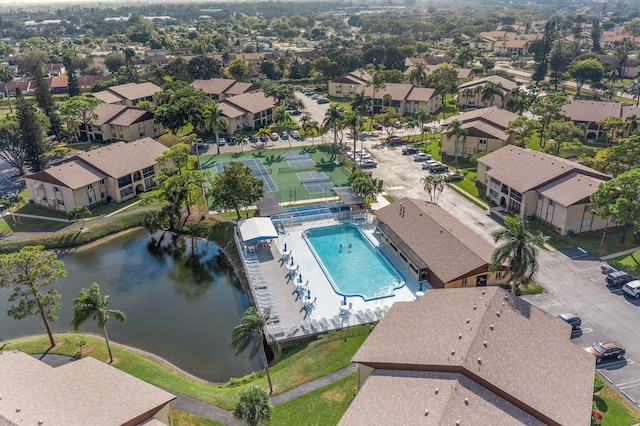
(590, 113)
(470, 92)
(445, 253)
(128, 94)
(250, 110)
(464, 74)
(116, 172)
(59, 85)
(551, 190)
(87, 391)
(54, 69)
(221, 88)
(485, 132)
(464, 357)
(405, 99)
(347, 85)
(86, 82)
(25, 86)
(631, 68)
(482, 44)
(511, 47)
(120, 123)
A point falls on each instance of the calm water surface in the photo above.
(181, 299)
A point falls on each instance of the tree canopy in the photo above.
(235, 188)
(620, 198)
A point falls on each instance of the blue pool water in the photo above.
(357, 271)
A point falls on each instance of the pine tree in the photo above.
(541, 56)
(72, 79)
(33, 127)
(44, 100)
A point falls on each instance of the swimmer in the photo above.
(349, 246)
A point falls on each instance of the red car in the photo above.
(606, 350)
(377, 126)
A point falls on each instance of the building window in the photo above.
(148, 172)
(540, 197)
(551, 203)
(90, 186)
(538, 211)
(92, 200)
(589, 207)
(482, 141)
(124, 181)
(102, 181)
(549, 217)
(125, 192)
(498, 275)
(56, 189)
(103, 195)
(60, 202)
(464, 282)
(493, 194)
(586, 222)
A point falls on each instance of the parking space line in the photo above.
(630, 384)
(627, 395)
(616, 363)
(583, 330)
(605, 376)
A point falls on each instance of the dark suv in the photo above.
(618, 278)
(571, 319)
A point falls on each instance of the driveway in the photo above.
(572, 278)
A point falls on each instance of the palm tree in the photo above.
(632, 124)
(313, 127)
(6, 76)
(242, 141)
(418, 74)
(361, 103)
(215, 121)
(264, 131)
(490, 90)
(253, 406)
(365, 186)
(460, 134)
(519, 252)
(467, 95)
(466, 54)
(79, 213)
(90, 304)
(11, 202)
(250, 332)
(433, 185)
(633, 89)
(517, 102)
(354, 122)
(387, 100)
(333, 120)
(303, 121)
(281, 117)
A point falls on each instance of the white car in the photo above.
(429, 163)
(368, 164)
(632, 288)
(295, 134)
(421, 156)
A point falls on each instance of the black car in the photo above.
(618, 278)
(409, 150)
(253, 139)
(571, 319)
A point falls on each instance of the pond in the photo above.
(181, 298)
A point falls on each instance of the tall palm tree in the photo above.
(365, 186)
(361, 103)
(79, 213)
(518, 251)
(303, 121)
(250, 332)
(355, 123)
(242, 141)
(11, 202)
(6, 76)
(456, 131)
(433, 185)
(333, 120)
(387, 100)
(90, 304)
(253, 406)
(490, 90)
(312, 127)
(517, 102)
(215, 121)
(466, 54)
(632, 124)
(263, 131)
(280, 116)
(418, 74)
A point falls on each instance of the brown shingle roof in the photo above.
(571, 189)
(123, 158)
(239, 87)
(421, 94)
(494, 116)
(107, 97)
(459, 250)
(133, 91)
(458, 399)
(507, 85)
(71, 174)
(214, 86)
(87, 391)
(131, 116)
(591, 111)
(230, 110)
(106, 112)
(495, 339)
(524, 169)
(253, 102)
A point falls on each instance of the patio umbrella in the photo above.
(291, 260)
(420, 286)
(308, 294)
(285, 246)
(300, 276)
(344, 300)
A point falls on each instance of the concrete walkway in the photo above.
(194, 406)
(620, 253)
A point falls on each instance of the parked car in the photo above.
(222, 141)
(264, 139)
(409, 150)
(274, 136)
(232, 140)
(632, 288)
(322, 101)
(438, 168)
(310, 93)
(606, 350)
(452, 176)
(295, 134)
(367, 164)
(296, 112)
(377, 126)
(199, 142)
(421, 156)
(618, 278)
(429, 163)
(253, 139)
(284, 136)
(571, 319)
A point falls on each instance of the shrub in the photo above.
(596, 418)
(598, 384)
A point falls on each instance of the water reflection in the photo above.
(180, 295)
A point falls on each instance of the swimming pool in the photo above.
(352, 264)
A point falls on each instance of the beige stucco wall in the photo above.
(412, 107)
(71, 198)
(344, 90)
(364, 372)
(476, 98)
(133, 132)
(471, 145)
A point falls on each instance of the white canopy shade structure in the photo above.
(257, 229)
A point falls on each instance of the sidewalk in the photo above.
(620, 253)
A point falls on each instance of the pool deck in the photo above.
(273, 286)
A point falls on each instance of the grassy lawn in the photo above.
(180, 418)
(616, 410)
(300, 363)
(324, 406)
(73, 237)
(629, 263)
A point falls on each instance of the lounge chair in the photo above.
(370, 315)
(315, 325)
(293, 330)
(361, 317)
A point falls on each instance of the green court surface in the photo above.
(288, 187)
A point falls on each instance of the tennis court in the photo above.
(315, 182)
(257, 170)
(298, 159)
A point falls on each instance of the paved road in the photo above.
(573, 279)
